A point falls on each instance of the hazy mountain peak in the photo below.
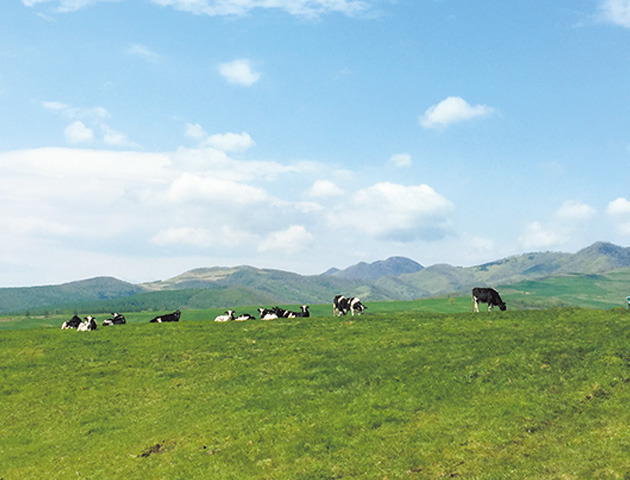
(393, 267)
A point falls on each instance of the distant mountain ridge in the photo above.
(396, 278)
(393, 267)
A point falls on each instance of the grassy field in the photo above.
(539, 394)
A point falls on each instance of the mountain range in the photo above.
(396, 278)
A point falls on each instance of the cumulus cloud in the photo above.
(619, 212)
(618, 207)
(77, 132)
(452, 110)
(399, 212)
(616, 12)
(239, 72)
(324, 189)
(230, 142)
(566, 222)
(536, 236)
(401, 159)
(189, 187)
(226, 142)
(222, 236)
(572, 210)
(292, 240)
(84, 123)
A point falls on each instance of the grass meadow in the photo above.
(400, 393)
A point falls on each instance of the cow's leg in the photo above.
(489, 306)
(476, 304)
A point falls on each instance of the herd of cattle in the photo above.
(341, 306)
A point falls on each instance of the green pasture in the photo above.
(397, 394)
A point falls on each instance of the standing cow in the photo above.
(487, 295)
(343, 305)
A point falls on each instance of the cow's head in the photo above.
(502, 306)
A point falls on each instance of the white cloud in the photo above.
(575, 211)
(229, 142)
(616, 12)
(566, 224)
(401, 159)
(90, 115)
(619, 211)
(27, 226)
(84, 123)
(536, 236)
(396, 211)
(189, 187)
(324, 189)
(452, 110)
(239, 72)
(618, 207)
(196, 132)
(77, 132)
(225, 142)
(223, 236)
(292, 240)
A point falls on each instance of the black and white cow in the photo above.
(117, 319)
(243, 317)
(267, 314)
(74, 322)
(169, 317)
(281, 312)
(343, 305)
(303, 313)
(489, 296)
(226, 317)
(88, 325)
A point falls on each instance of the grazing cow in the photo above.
(340, 305)
(303, 313)
(88, 325)
(343, 305)
(487, 295)
(244, 317)
(169, 317)
(74, 322)
(226, 317)
(117, 319)
(267, 314)
(356, 306)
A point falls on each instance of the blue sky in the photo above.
(144, 138)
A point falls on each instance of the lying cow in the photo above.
(169, 317)
(267, 314)
(74, 322)
(489, 296)
(226, 317)
(88, 325)
(343, 305)
(303, 313)
(117, 319)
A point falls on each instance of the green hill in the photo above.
(24, 299)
